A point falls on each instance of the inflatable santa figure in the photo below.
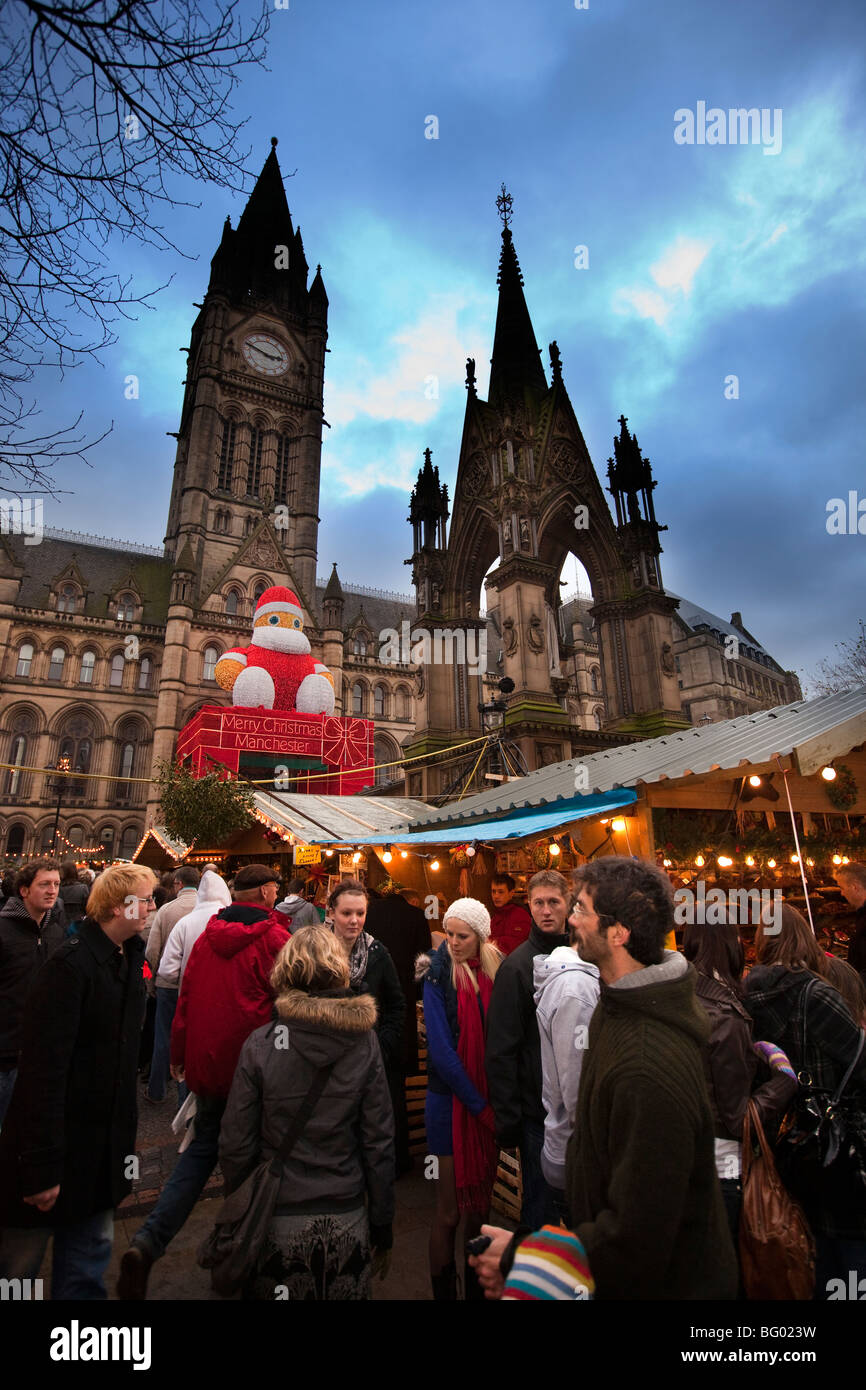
(276, 670)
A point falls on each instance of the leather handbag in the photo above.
(232, 1248)
(821, 1152)
(777, 1253)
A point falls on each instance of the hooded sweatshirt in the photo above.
(298, 912)
(346, 1150)
(566, 993)
(642, 1186)
(226, 994)
(212, 894)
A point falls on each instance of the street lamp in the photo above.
(58, 784)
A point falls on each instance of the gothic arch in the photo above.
(472, 548)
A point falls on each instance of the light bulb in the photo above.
(434, 864)
(700, 861)
(387, 857)
(329, 853)
(618, 824)
(666, 863)
(356, 857)
(811, 863)
(795, 858)
(724, 862)
(828, 773)
(750, 861)
(404, 854)
(771, 863)
(844, 859)
(554, 849)
(470, 850)
(754, 780)
(837, 859)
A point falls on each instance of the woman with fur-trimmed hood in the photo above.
(323, 1242)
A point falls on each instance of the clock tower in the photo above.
(250, 437)
(244, 503)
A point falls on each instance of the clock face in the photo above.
(266, 354)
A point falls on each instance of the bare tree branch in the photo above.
(107, 108)
(846, 669)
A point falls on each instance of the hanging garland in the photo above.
(842, 792)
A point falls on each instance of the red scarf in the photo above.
(475, 1150)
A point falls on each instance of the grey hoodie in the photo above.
(566, 993)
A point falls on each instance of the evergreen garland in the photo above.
(202, 809)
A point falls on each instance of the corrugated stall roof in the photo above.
(341, 819)
(812, 731)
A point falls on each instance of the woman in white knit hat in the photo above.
(458, 980)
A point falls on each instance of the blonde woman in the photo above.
(323, 1242)
(458, 980)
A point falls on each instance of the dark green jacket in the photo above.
(642, 1185)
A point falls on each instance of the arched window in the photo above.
(287, 457)
(379, 702)
(129, 841)
(76, 744)
(402, 702)
(13, 778)
(15, 841)
(249, 525)
(129, 740)
(126, 608)
(211, 657)
(232, 602)
(58, 660)
(384, 752)
(67, 599)
(88, 662)
(25, 657)
(593, 676)
(357, 698)
(360, 645)
(106, 839)
(227, 457)
(597, 716)
(144, 673)
(259, 590)
(75, 835)
(116, 677)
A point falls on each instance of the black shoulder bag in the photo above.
(821, 1153)
(231, 1250)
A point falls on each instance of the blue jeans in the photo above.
(166, 1003)
(538, 1207)
(7, 1086)
(186, 1184)
(81, 1255)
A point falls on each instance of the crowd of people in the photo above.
(571, 1031)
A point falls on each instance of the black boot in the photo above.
(445, 1284)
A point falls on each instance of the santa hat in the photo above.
(278, 600)
(473, 913)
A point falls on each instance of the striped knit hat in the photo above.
(550, 1264)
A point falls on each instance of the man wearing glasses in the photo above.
(224, 997)
(70, 1130)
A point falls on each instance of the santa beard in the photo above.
(281, 639)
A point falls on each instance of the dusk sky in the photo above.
(705, 261)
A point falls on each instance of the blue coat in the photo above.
(445, 1072)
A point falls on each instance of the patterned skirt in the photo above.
(323, 1258)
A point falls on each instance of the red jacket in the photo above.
(225, 994)
(509, 926)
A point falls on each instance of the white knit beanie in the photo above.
(473, 913)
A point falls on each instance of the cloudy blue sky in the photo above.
(705, 261)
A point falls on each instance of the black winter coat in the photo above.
(73, 1116)
(513, 1057)
(381, 981)
(24, 948)
(405, 932)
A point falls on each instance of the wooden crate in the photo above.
(508, 1187)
